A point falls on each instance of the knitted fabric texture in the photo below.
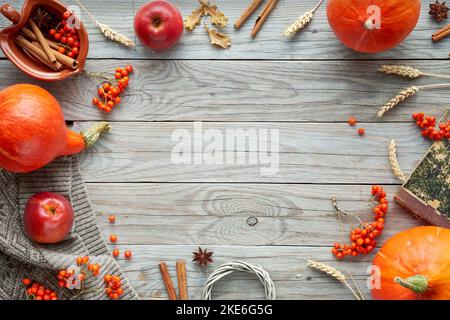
(20, 257)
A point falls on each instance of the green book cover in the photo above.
(427, 191)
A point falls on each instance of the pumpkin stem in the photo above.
(91, 135)
(368, 25)
(417, 283)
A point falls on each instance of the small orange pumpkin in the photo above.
(33, 131)
(415, 265)
(372, 25)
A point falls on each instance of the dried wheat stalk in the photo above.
(404, 71)
(301, 22)
(107, 31)
(407, 71)
(394, 161)
(115, 36)
(333, 272)
(402, 96)
(407, 93)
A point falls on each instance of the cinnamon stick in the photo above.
(247, 13)
(263, 17)
(182, 283)
(37, 52)
(167, 281)
(45, 62)
(63, 59)
(31, 36)
(43, 42)
(441, 33)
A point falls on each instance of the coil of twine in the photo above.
(230, 267)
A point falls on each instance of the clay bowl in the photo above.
(20, 58)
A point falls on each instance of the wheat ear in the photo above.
(407, 71)
(107, 31)
(394, 161)
(301, 22)
(402, 96)
(404, 71)
(333, 272)
(408, 92)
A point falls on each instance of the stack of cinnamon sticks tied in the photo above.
(33, 42)
(262, 17)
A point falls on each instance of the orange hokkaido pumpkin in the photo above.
(33, 131)
(415, 265)
(372, 25)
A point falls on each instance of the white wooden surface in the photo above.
(306, 88)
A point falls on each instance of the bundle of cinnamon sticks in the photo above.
(33, 42)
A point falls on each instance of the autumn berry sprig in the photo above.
(110, 89)
(113, 286)
(429, 129)
(363, 237)
(36, 291)
(72, 278)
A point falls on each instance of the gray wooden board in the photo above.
(305, 87)
(317, 41)
(300, 91)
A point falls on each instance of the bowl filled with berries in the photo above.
(46, 40)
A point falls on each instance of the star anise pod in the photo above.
(203, 257)
(439, 11)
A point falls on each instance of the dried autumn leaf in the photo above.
(217, 18)
(218, 39)
(194, 19)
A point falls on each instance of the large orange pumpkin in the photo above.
(33, 131)
(372, 25)
(415, 265)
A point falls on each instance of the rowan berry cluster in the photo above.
(109, 91)
(66, 36)
(71, 278)
(36, 291)
(428, 125)
(363, 238)
(113, 286)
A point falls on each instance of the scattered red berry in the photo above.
(361, 131)
(116, 253)
(352, 121)
(113, 238)
(111, 218)
(127, 254)
(362, 237)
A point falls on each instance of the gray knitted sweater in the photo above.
(20, 257)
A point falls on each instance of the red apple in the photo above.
(48, 217)
(159, 25)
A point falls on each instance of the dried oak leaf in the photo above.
(219, 19)
(218, 39)
(194, 19)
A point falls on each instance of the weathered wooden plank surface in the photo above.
(306, 88)
(317, 41)
(247, 91)
(286, 265)
(142, 152)
(224, 214)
